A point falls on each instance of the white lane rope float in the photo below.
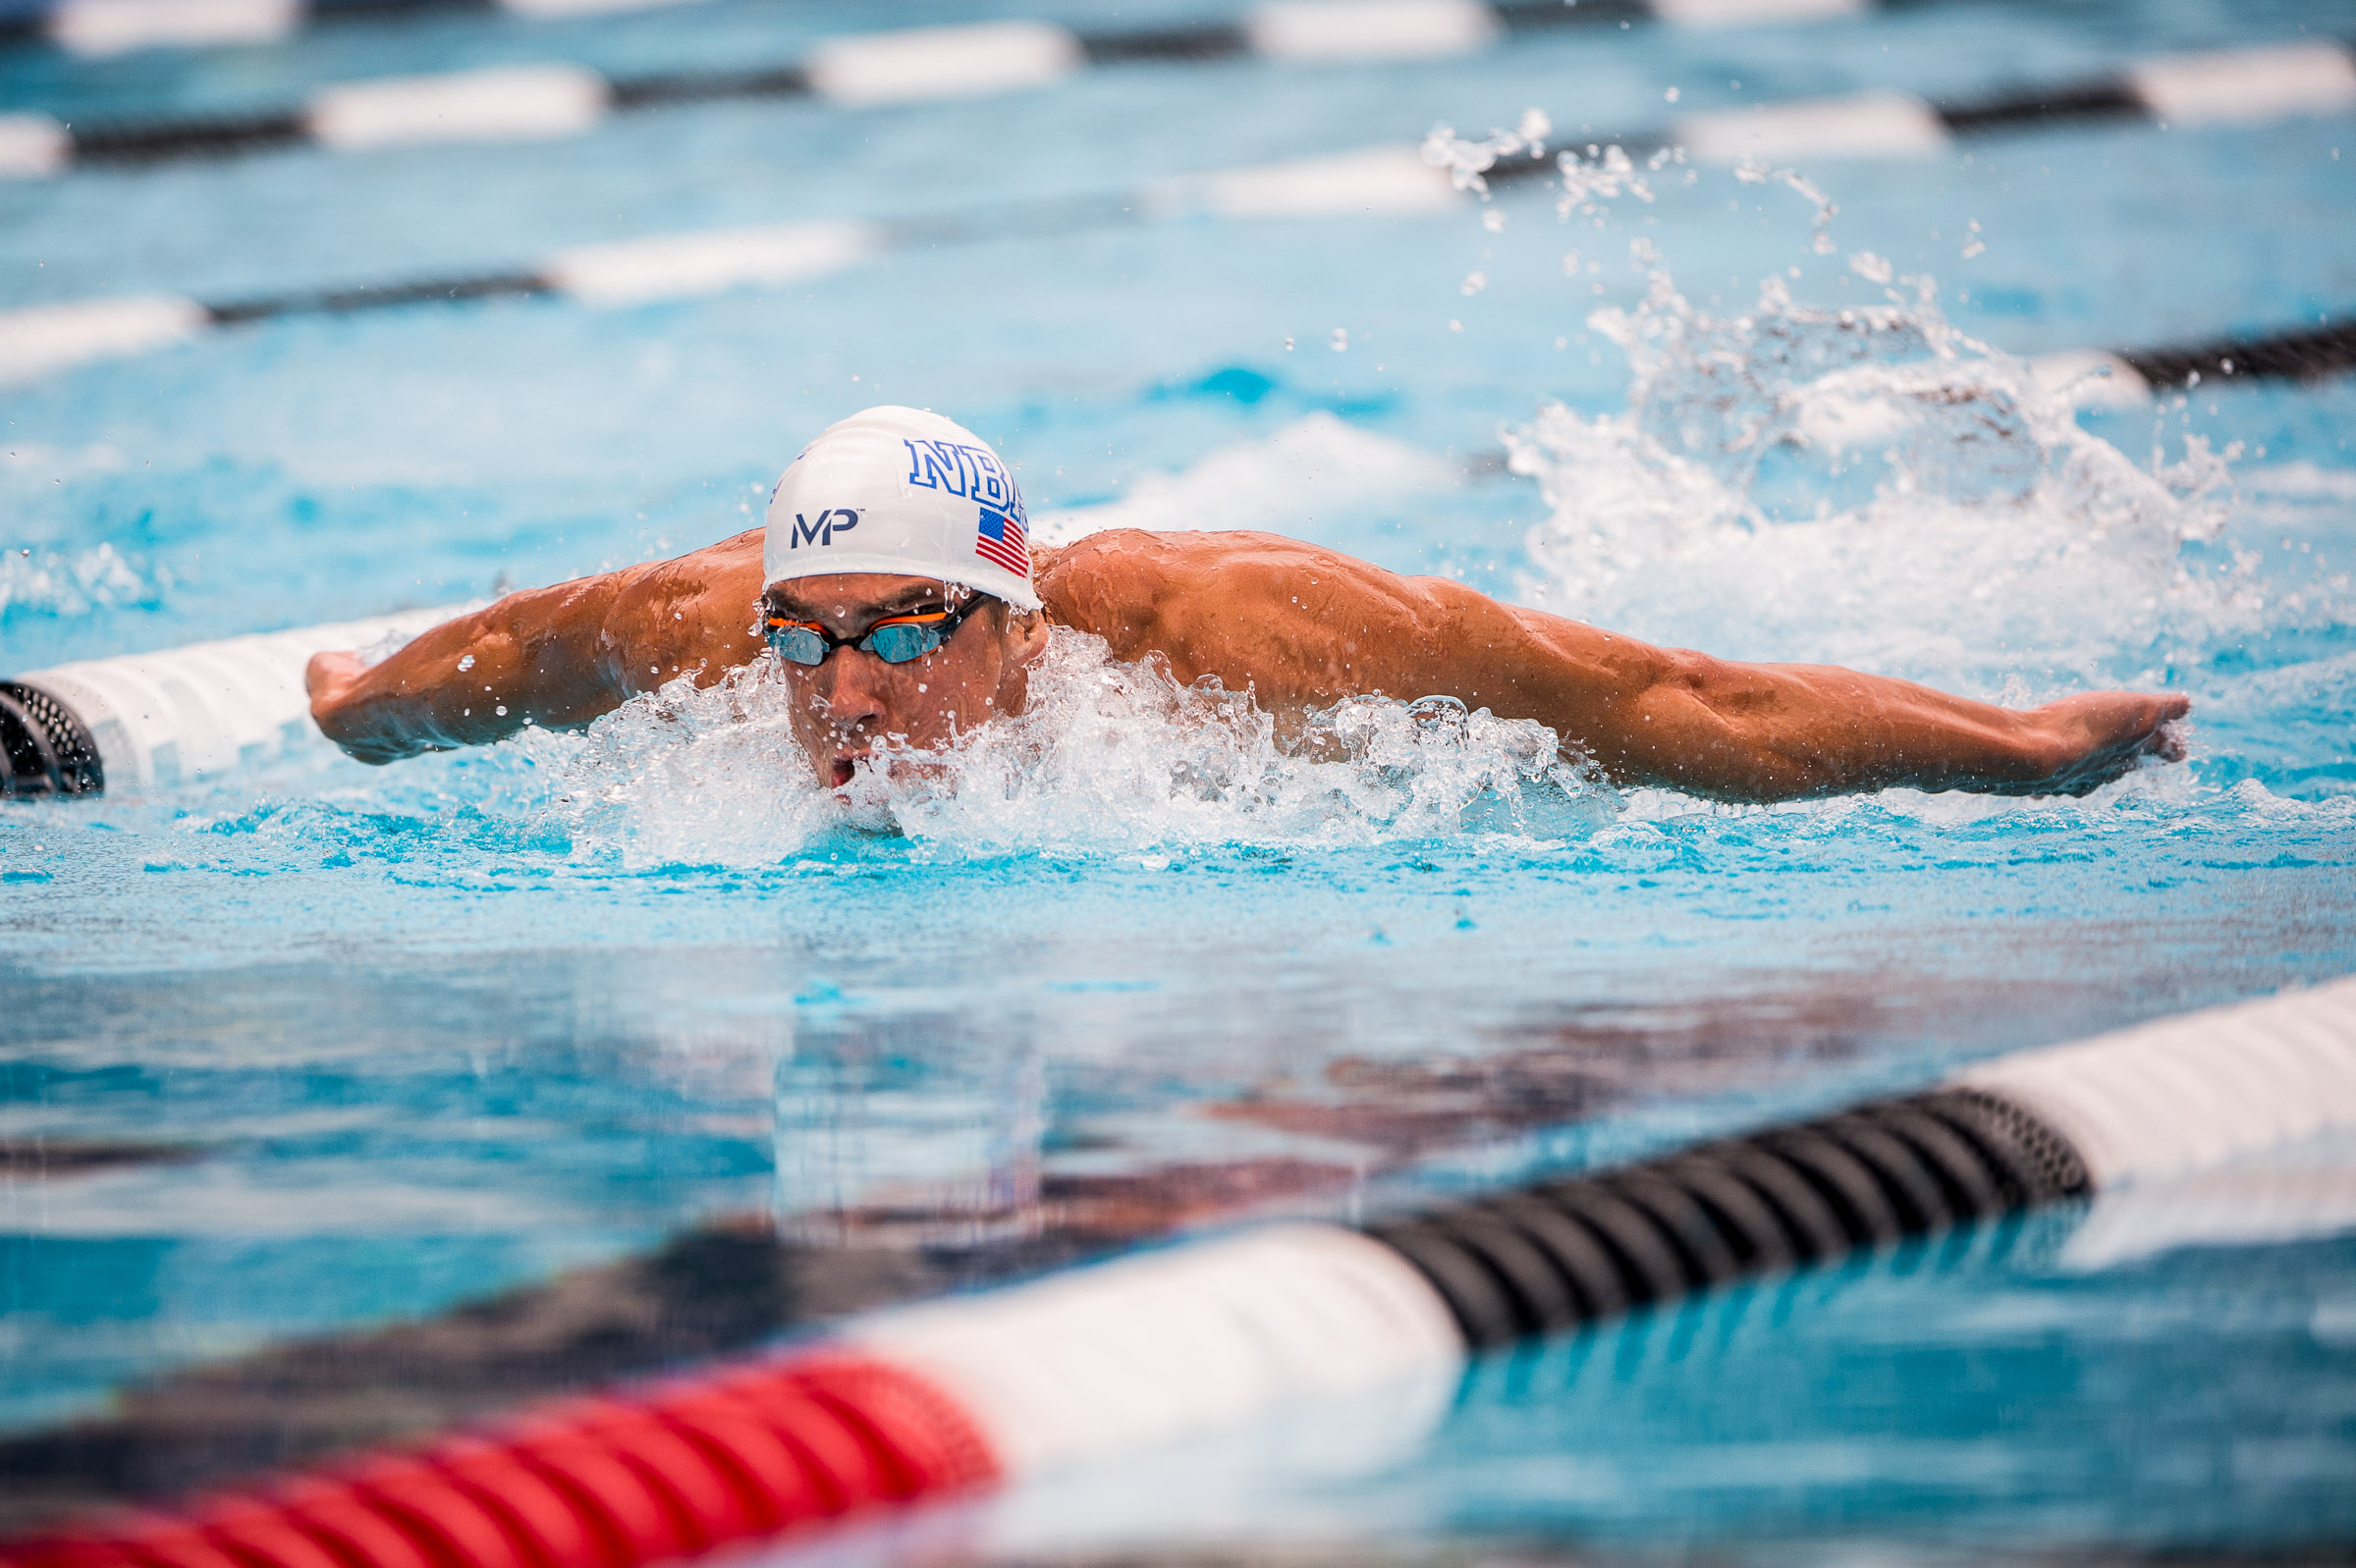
(156, 720)
(555, 99)
(918, 1403)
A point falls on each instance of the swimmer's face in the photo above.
(844, 706)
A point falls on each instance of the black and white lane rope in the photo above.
(555, 99)
(1144, 1347)
(40, 339)
(908, 1405)
(1319, 27)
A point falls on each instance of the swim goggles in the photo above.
(894, 639)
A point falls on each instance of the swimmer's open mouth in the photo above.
(843, 772)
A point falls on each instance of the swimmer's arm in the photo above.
(1305, 627)
(557, 657)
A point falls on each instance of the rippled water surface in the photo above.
(319, 1049)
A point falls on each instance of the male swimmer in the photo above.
(895, 590)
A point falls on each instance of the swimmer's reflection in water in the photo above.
(895, 590)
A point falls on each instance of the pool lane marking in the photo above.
(555, 99)
(42, 339)
(628, 272)
(912, 1404)
(1332, 31)
(498, 103)
(1146, 1348)
(2247, 86)
(165, 718)
(2229, 87)
(1310, 28)
(1864, 125)
(926, 65)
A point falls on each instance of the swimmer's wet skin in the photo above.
(895, 516)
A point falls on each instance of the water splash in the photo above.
(1868, 485)
(1468, 160)
(49, 584)
(1108, 757)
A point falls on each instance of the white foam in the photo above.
(2247, 86)
(33, 146)
(1138, 1351)
(917, 63)
(1387, 181)
(627, 272)
(2186, 1093)
(113, 26)
(1753, 13)
(82, 583)
(1307, 473)
(43, 339)
(1865, 125)
(1106, 757)
(1371, 30)
(1864, 485)
(2091, 378)
(499, 103)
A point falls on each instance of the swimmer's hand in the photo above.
(2080, 744)
(333, 681)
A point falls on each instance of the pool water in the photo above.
(299, 1056)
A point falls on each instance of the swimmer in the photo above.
(895, 594)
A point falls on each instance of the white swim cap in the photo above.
(903, 491)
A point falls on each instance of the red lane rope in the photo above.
(624, 1481)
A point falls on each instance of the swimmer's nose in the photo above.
(846, 684)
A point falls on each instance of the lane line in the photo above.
(925, 65)
(43, 340)
(104, 27)
(916, 1404)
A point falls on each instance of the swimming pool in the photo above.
(310, 1050)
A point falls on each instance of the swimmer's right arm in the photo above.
(556, 656)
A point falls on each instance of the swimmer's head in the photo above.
(889, 519)
(903, 491)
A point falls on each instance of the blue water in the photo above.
(425, 1033)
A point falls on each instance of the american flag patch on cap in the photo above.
(1001, 541)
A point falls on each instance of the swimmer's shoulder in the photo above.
(1177, 594)
(1122, 570)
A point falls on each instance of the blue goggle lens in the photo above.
(901, 641)
(797, 643)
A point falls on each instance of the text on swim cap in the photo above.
(961, 470)
(833, 521)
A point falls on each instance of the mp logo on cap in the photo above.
(833, 521)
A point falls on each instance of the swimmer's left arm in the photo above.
(1304, 628)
